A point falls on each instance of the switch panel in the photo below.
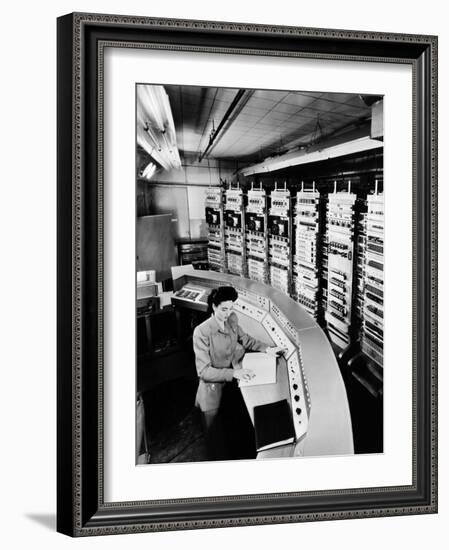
(286, 325)
(249, 309)
(215, 229)
(256, 299)
(278, 335)
(256, 235)
(306, 283)
(280, 240)
(234, 232)
(299, 395)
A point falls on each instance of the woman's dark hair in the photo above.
(221, 294)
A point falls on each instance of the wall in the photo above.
(206, 172)
(181, 192)
(184, 202)
(28, 289)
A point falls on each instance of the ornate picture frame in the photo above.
(82, 509)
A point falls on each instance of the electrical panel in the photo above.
(360, 273)
(323, 270)
(280, 239)
(340, 235)
(373, 312)
(256, 217)
(234, 232)
(306, 266)
(299, 395)
(256, 299)
(249, 309)
(215, 229)
(325, 251)
(278, 335)
(287, 326)
(191, 294)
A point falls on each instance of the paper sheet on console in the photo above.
(263, 366)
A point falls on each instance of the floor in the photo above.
(174, 424)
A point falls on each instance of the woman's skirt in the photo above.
(230, 435)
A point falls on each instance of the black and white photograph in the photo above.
(259, 273)
(225, 220)
(247, 275)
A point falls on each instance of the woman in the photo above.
(220, 344)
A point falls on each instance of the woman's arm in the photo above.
(252, 344)
(204, 368)
(248, 342)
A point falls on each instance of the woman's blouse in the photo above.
(218, 351)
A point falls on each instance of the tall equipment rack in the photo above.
(306, 258)
(256, 217)
(280, 239)
(215, 229)
(234, 232)
(340, 234)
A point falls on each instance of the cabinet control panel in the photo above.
(306, 282)
(340, 237)
(234, 232)
(191, 294)
(280, 240)
(278, 335)
(299, 395)
(373, 296)
(215, 228)
(249, 309)
(256, 235)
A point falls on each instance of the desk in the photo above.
(269, 393)
(329, 429)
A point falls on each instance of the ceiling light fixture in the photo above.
(149, 171)
(156, 132)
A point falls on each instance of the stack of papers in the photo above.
(263, 366)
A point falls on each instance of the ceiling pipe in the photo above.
(228, 113)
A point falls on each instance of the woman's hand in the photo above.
(243, 374)
(275, 351)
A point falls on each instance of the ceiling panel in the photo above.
(322, 105)
(276, 115)
(262, 122)
(298, 101)
(339, 97)
(260, 103)
(275, 95)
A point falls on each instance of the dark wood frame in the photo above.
(81, 510)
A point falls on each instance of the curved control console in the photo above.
(299, 394)
(307, 375)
